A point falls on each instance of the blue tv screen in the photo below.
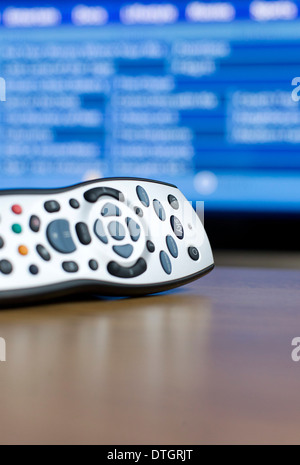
(200, 94)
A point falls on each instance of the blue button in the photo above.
(134, 229)
(172, 246)
(123, 250)
(165, 262)
(59, 236)
(100, 232)
(177, 227)
(110, 209)
(143, 196)
(159, 210)
(117, 231)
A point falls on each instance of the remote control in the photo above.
(110, 237)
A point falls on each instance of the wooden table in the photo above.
(208, 363)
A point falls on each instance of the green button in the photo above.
(17, 228)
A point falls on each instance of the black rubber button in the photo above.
(59, 236)
(159, 210)
(124, 251)
(177, 227)
(138, 212)
(173, 201)
(110, 209)
(6, 267)
(1, 243)
(93, 195)
(43, 253)
(74, 204)
(172, 246)
(165, 262)
(70, 267)
(150, 246)
(52, 206)
(127, 272)
(116, 230)
(93, 264)
(143, 196)
(34, 269)
(194, 253)
(83, 234)
(100, 232)
(134, 229)
(35, 223)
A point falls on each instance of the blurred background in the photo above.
(198, 94)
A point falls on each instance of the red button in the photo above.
(17, 209)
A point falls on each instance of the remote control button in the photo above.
(83, 233)
(93, 264)
(35, 223)
(52, 206)
(150, 246)
(17, 209)
(123, 250)
(43, 253)
(131, 272)
(1, 243)
(138, 212)
(134, 229)
(194, 253)
(74, 204)
(59, 236)
(34, 269)
(17, 228)
(116, 230)
(172, 246)
(5, 267)
(23, 250)
(177, 227)
(110, 209)
(165, 262)
(94, 194)
(173, 201)
(99, 231)
(159, 210)
(70, 267)
(143, 196)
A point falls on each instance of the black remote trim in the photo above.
(37, 295)
(75, 186)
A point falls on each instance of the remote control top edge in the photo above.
(40, 190)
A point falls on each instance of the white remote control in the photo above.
(116, 236)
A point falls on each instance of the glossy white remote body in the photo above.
(116, 236)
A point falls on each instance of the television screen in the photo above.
(200, 94)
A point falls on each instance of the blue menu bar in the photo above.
(97, 14)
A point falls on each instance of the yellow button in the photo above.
(23, 250)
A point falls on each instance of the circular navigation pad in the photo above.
(120, 231)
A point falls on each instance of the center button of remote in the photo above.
(116, 230)
(59, 236)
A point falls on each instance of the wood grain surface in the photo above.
(209, 363)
